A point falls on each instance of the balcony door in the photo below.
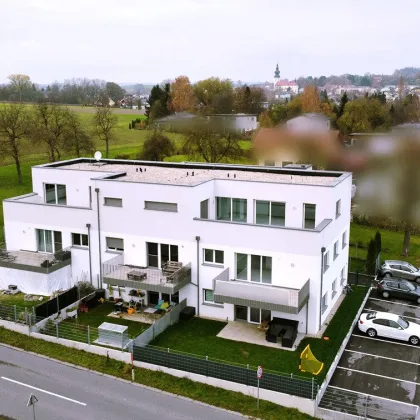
(251, 315)
(159, 254)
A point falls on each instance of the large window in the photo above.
(79, 239)
(232, 209)
(48, 241)
(256, 268)
(55, 194)
(115, 244)
(309, 211)
(213, 256)
(204, 209)
(254, 315)
(208, 296)
(270, 213)
(159, 254)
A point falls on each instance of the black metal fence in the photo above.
(52, 306)
(360, 279)
(246, 375)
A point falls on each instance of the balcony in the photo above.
(35, 262)
(150, 279)
(258, 295)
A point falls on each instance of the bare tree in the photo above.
(105, 122)
(50, 127)
(76, 138)
(15, 123)
(212, 146)
(20, 82)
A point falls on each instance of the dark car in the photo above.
(399, 288)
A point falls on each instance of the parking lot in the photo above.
(378, 378)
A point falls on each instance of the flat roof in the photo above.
(190, 174)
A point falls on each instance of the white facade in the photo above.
(309, 122)
(162, 204)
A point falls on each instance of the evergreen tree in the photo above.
(343, 101)
(370, 266)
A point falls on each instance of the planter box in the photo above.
(71, 314)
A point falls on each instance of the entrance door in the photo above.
(152, 298)
(241, 313)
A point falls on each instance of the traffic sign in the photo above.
(259, 372)
(32, 400)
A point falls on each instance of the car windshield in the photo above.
(412, 267)
(403, 323)
(371, 315)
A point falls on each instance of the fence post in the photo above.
(357, 278)
(313, 380)
(56, 329)
(88, 334)
(247, 375)
(14, 311)
(207, 366)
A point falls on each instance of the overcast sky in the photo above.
(149, 41)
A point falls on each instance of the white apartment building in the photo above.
(254, 242)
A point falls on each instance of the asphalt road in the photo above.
(68, 393)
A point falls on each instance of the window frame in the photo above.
(249, 268)
(214, 262)
(56, 198)
(334, 288)
(324, 302)
(204, 208)
(304, 222)
(325, 261)
(80, 235)
(113, 205)
(270, 212)
(154, 206)
(159, 254)
(336, 248)
(113, 249)
(54, 240)
(231, 209)
(338, 208)
(343, 270)
(344, 239)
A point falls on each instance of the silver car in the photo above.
(400, 269)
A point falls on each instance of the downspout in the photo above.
(99, 237)
(307, 310)
(197, 238)
(320, 287)
(90, 254)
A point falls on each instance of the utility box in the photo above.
(113, 335)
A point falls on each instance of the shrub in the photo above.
(129, 126)
(386, 223)
(85, 288)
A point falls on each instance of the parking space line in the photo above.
(370, 395)
(395, 303)
(404, 316)
(379, 376)
(383, 357)
(386, 341)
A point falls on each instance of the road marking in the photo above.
(42, 390)
(375, 310)
(386, 341)
(379, 376)
(374, 396)
(383, 357)
(395, 303)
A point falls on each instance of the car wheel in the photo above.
(417, 279)
(418, 300)
(387, 275)
(372, 333)
(414, 340)
(386, 295)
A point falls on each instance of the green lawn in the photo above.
(391, 246)
(19, 301)
(207, 394)
(77, 328)
(198, 336)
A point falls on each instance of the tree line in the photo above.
(368, 113)
(51, 128)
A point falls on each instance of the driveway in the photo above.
(377, 378)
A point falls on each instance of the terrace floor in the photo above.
(145, 315)
(249, 333)
(30, 258)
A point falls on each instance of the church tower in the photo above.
(276, 75)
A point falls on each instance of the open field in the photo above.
(198, 336)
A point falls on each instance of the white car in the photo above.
(384, 324)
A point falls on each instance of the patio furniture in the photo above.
(283, 330)
(150, 310)
(187, 313)
(162, 305)
(5, 256)
(136, 275)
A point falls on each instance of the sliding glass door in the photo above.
(48, 241)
